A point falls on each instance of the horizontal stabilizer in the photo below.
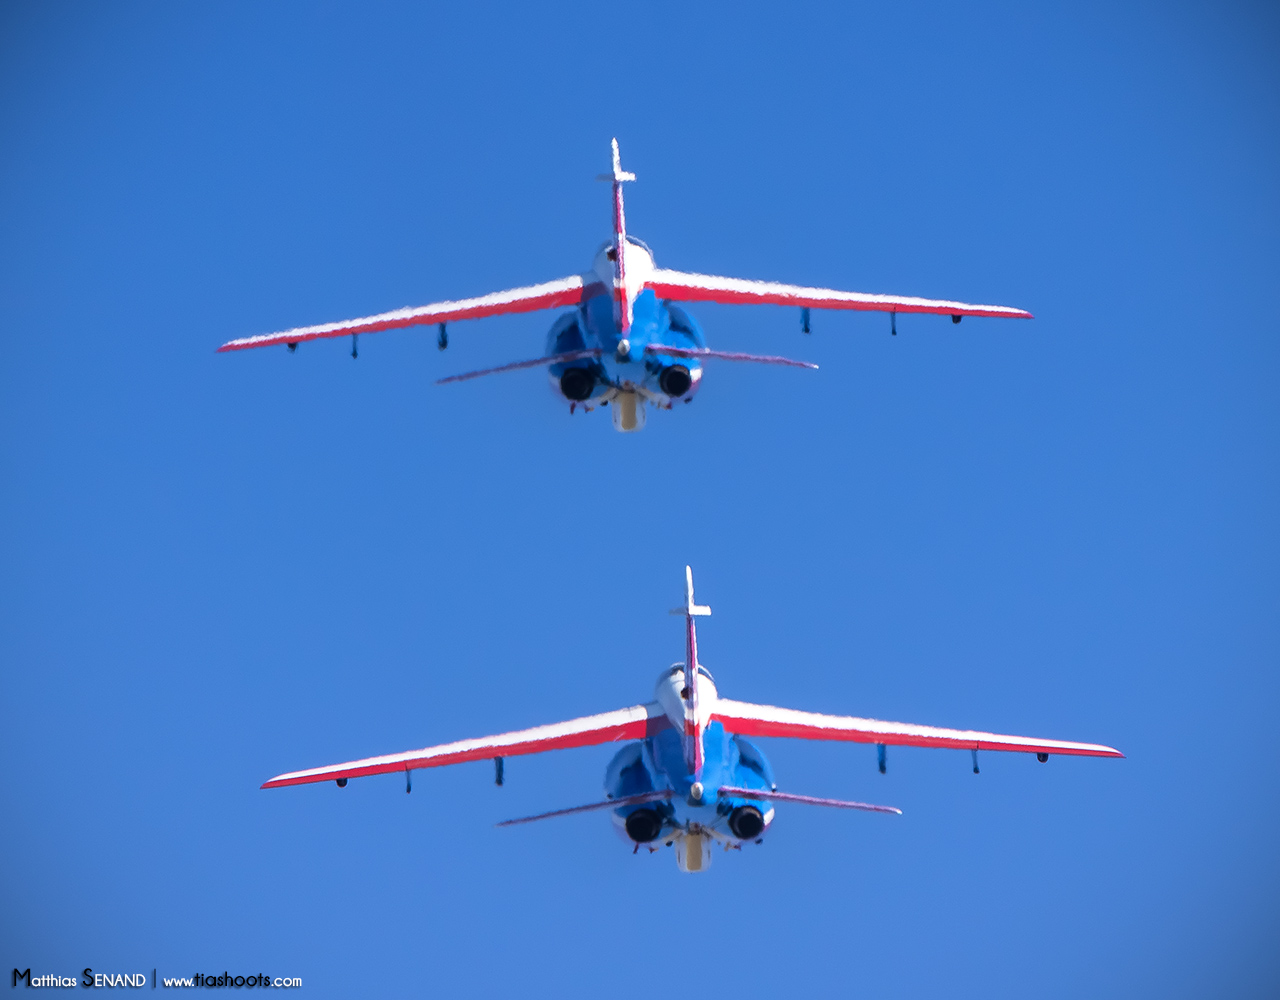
(702, 352)
(683, 287)
(727, 791)
(553, 359)
(570, 291)
(619, 175)
(629, 800)
(769, 720)
(633, 723)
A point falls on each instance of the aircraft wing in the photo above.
(549, 295)
(632, 723)
(684, 287)
(767, 720)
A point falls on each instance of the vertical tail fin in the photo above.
(622, 302)
(692, 721)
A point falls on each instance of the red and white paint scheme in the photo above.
(688, 776)
(690, 716)
(624, 296)
(768, 720)
(634, 723)
(684, 710)
(625, 339)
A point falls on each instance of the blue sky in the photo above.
(217, 568)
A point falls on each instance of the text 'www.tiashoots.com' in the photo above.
(235, 982)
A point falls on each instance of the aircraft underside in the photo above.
(626, 343)
(688, 777)
(694, 819)
(625, 371)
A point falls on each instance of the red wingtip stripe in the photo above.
(506, 745)
(567, 291)
(686, 287)
(767, 720)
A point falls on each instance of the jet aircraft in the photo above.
(625, 340)
(690, 779)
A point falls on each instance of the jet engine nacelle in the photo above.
(675, 381)
(746, 822)
(576, 381)
(577, 384)
(678, 379)
(644, 825)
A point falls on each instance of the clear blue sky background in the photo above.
(215, 568)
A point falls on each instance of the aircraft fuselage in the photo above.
(694, 819)
(624, 373)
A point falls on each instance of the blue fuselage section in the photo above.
(657, 764)
(592, 326)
